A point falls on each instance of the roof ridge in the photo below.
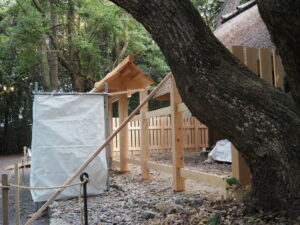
(239, 10)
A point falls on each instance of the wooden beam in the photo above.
(123, 114)
(144, 137)
(159, 112)
(265, 65)
(94, 155)
(207, 178)
(182, 107)
(177, 139)
(240, 169)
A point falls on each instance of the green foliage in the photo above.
(209, 10)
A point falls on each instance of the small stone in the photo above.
(148, 215)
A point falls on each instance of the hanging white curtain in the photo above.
(66, 130)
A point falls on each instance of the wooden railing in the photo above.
(195, 133)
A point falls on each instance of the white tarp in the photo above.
(66, 130)
(222, 151)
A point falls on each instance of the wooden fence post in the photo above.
(110, 123)
(5, 201)
(123, 114)
(265, 65)
(240, 169)
(177, 139)
(144, 135)
(279, 72)
(17, 194)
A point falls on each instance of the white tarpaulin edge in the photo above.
(66, 130)
(222, 151)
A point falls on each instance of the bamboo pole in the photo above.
(5, 199)
(17, 194)
(91, 158)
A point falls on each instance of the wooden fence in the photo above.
(195, 135)
(264, 62)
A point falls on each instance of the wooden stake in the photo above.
(279, 72)
(5, 201)
(177, 139)
(93, 156)
(17, 194)
(265, 65)
(123, 114)
(240, 169)
(144, 137)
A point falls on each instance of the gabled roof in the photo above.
(244, 27)
(126, 76)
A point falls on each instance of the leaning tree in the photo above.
(260, 120)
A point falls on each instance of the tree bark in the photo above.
(283, 23)
(78, 79)
(46, 82)
(53, 58)
(260, 120)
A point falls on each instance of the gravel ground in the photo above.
(131, 201)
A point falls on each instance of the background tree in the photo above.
(260, 120)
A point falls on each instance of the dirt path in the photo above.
(27, 206)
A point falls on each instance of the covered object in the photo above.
(67, 129)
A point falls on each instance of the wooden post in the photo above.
(251, 59)
(265, 66)
(164, 136)
(144, 137)
(110, 123)
(123, 114)
(177, 139)
(238, 52)
(240, 169)
(17, 194)
(279, 72)
(5, 202)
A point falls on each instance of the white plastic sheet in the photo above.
(222, 151)
(67, 129)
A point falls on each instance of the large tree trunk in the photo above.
(53, 59)
(46, 82)
(78, 80)
(260, 120)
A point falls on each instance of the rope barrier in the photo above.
(44, 188)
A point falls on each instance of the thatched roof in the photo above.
(227, 7)
(244, 28)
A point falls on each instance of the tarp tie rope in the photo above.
(44, 188)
